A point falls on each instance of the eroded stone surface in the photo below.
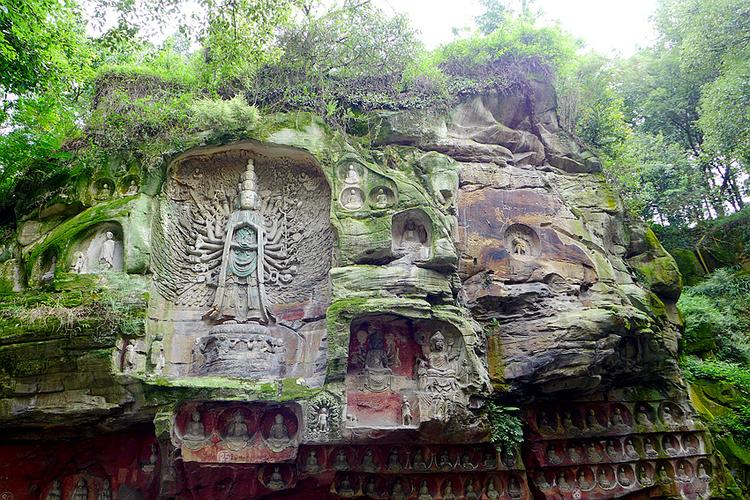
(327, 319)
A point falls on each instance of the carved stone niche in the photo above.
(103, 188)
(521, 241)
(403, 372)
(98, 249)
(238, 432)
(129, 185)
(242, 246)
(412, 236)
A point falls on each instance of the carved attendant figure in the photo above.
(130, 356)
(107, 253)
(81, 492)
(240, 295)
(79, 263)
(492, 493)
(406, 412)
(323, 419)
(352, 177)
(277, 481)
(54, 492)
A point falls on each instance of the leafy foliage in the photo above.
(719, 308)
(505, 425)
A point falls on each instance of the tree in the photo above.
(43, 45)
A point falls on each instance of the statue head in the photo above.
(238, 416)
(109, 235)
(279, 418)
(195, 416)
(437, 341)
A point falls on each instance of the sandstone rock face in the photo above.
(313, 315)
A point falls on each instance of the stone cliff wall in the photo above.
(312, 314)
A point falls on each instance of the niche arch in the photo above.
(292, 211)
(93, 250)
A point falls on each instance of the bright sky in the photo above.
(605, 25)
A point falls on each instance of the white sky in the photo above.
(605, 25)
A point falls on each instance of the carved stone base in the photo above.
(240, 350)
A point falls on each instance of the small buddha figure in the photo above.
(448, 491)
(702, 473)
(492, 492)
(277, 481)
(541, 481)
(132, 188)
(489, 460)
(105, 192)
(509, 457)
(381, 200)
(322, 420)
(592, 422)
(630, 450)
(520, 245)
(593, 453)
(617, 420)
(611, 450)
(81, 492)
(562, 482)
(368, 463)
(424, 491)
(648, 447)
(682, 474)
(406, 412)
(370, 488)
(644, 477)
(377, 359)
(279, 433)
(583, 481)
(466, 462)
(552, 456)
(341, 462)
(667, 416)
(195, 430)
(345, 487)
(107, 252)
(352, 199)
(622, 477)
(690, 444)
(670, 446)
(394, 464)
(514, 487)
(237, 428)
(55, 492)
(542, 421)
(642, 417)
(414, 238)
(352, 177)
(311, 464)
(603, 480)
(573, 454)
(469, 493)
(444, 461)
(78, 263)
(419, 463)
(663, 475)
(568, 423)
(397, 493)
(106, 493)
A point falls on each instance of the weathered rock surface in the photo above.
(306, 315)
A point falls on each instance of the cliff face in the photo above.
(305, 313)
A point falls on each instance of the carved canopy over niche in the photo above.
(197, 200)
